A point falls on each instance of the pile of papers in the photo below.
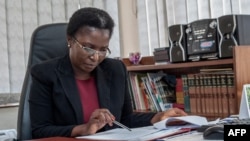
(158, 130)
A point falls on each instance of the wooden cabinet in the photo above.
(239, 62)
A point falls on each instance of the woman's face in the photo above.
(88, 48)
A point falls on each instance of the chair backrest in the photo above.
(47, 41)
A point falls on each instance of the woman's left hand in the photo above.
(173, 112)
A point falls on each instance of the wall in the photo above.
(128, 27)
(8, 118)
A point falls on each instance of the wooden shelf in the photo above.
(181, 65)
(239, 64)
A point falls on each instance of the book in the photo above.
(142, 95)
(203, 94)
(224, 96)
(212, 81)
(192, 95)
(197, 94)
(210, 97)
(179, 91)
(134, 96)
(154, 104)
(219, 95)
(231, 94)
(186, 93)
(131, 93)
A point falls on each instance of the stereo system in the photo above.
(208, 38)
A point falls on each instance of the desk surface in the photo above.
(58, 139)
(194, 136)
(61, 139)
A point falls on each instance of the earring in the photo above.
(68, 45)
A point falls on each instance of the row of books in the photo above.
(209, 92)
(152, 91)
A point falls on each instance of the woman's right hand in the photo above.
(98, 119)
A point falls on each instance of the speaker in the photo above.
(233, 30)
(177, 40)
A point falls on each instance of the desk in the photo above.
(192, 136)
(59, 139)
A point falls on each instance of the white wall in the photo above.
(8, 118)
(128, 27)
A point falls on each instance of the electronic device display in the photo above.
(201, 38)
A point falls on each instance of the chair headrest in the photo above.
(47, 42)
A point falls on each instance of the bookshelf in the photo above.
(238, 63)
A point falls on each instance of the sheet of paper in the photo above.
(122, 134)
(162, 133)
(214, 121)
(192, 119)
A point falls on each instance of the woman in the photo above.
(83, 92)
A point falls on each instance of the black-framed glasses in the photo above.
(91, 52)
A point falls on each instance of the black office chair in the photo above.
(48, 41)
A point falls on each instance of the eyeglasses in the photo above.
(104, 53)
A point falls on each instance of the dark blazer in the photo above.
(55, 106)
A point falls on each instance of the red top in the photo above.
(88, 95)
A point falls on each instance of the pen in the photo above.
(121, 125)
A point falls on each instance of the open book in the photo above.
(158, 130)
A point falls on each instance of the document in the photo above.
(191, 121)
(122, 134)
(158, 130)
(137, 134)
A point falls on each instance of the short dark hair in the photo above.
(90, 16)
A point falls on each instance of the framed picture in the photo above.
(244, 111)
